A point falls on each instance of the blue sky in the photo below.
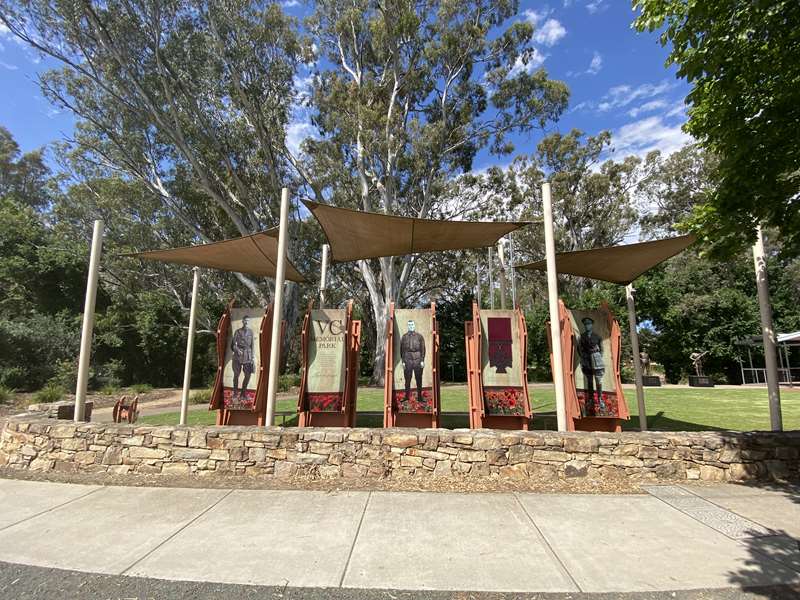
(617, 79)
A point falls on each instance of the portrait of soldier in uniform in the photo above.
(243, 361)
(590, 349)
(412, 353)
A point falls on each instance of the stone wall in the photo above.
(42, 445)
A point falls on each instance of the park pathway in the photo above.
(670, 538)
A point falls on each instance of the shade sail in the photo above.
(252, 254)
(617, 264)
(354, 235)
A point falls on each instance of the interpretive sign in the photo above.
(590, 346)
(412, 355)
(330, 341)
(496, 345)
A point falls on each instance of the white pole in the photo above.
(277, 308)
(88, 322)
(767, 334)
(187, 369)
(323, 277)
(511, 259)
(637, 362)
(491, 281)
(552, 296)
(478, 283)
(502, 260)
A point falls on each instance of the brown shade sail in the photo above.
(617, 264)
(355, 235)
(252, 254)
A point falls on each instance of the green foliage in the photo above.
(200, 397)
(141, 388)
(741, 59)
(450, 317)
(287, 381)
(50, 393)
(6, 395)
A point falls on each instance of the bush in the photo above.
(109, 389)
(141, 388)
(66, 374)
(50, 393)
(200, 397)
(109, 375)
(288, 381)
(6, 395)
(13, 377)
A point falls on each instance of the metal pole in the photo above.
(767, 334)
(552, 297)
(788, 364)
(187, 369)
(277, 308)
(637, 362)
(513, 271)
(323, 277)
(478, 282)
(491, 281)
(502, 260)
(88, 322)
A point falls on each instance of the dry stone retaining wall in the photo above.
(42, 445)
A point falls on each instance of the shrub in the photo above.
(200, 397)
(288, 381)
(52, 392)
(65, 373)
(6, 395)
(141, 388)
(110, 375)
(109, 389)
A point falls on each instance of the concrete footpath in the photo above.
(722, 537)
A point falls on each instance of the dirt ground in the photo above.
(438, 484)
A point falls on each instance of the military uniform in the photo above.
(590, 349)
(412, 353)
(243, 360)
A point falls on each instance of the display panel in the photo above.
(501, 366)
(593, 364)
(413, 360)
(327, 351)
(242, 359)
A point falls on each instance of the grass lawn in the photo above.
(668, 409)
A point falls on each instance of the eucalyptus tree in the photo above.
(175, 93)
(405, 95)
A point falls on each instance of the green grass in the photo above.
(668, 409)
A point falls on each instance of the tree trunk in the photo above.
(380, 314)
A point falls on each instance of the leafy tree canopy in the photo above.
(743, 61)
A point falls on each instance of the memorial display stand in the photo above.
(394, 414)
(258, 414)
(577, 419)
(491, 406)
(334, 408)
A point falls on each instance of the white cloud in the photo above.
(596, 6)
(549, 33)
(5, 65)
(535, 16)
(296, 133)
(290, 3)
(622, 95)
(596, 64)
(4, 31)
(651, 106)
(646, 135)
(535, 60)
